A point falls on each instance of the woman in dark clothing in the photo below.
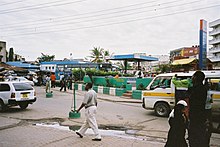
(197, 115)
(178, 123)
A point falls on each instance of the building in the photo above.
(184, 52)
(2, 51)
(215, 43)
(185, 58)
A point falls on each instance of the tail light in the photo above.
(12, 95)
(35, 93)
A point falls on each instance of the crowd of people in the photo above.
(65, 81)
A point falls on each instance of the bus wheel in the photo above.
(162, 109)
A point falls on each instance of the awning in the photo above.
(183, 61)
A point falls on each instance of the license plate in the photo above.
(24, 96)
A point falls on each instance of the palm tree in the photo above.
(105, 54)
(45, 57)
(97, 54)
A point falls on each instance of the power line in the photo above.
(39, 6)
(9, 3)
(133, 5)
(97, 19)
(113, 23)
(109, 13)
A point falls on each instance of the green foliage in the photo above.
(163, 68)
(95, 72)
(78, 74)
(99, 54)
(45, 57)
(11, 54)
(96, 54)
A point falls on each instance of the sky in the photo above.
(62, 28)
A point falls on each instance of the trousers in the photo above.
(90, 122)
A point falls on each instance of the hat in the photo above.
(182, 102)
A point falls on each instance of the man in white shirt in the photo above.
(90, 104)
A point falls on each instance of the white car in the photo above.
(21, 79)
(15, 93)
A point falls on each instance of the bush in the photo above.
(78, 74)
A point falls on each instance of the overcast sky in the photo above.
(58, 27)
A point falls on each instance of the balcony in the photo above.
(214, 50)
(215, 59)
(214, 41)
(214, 23)
(214, 32)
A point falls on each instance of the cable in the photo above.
(116, 12)
(114, 23)
(70, 23)
(9, 3)
(90, 12)
(39, 6)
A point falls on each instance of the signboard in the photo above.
(202, 44)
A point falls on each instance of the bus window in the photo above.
(161, 82)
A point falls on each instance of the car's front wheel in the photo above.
(23, 105)
(2, 106)
(162, 109)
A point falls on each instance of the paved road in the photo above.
(39, 125)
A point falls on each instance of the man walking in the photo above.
(90, 104)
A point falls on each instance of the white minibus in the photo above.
(160, 93)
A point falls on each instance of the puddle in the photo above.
(104, 131)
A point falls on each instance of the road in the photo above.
(113, 116)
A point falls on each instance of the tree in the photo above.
(11, 54)
(45, 57)
(97, 54)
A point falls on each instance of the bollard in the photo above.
(49, 95)
(73, 113)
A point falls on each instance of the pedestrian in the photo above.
(197, 115)
(63, 84)
(47, 83)
(70, 82)
(178, 123)
(53, 80)
(90, 104)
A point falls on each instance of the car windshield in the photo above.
(22, 86)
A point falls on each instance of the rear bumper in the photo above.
(14, 102)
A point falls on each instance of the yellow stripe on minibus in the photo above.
(216, 96)
(158, 94)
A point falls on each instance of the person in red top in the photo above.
(53, 79)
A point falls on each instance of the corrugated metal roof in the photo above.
(63, 62)
(23, 64)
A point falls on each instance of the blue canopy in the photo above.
(133, 57)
